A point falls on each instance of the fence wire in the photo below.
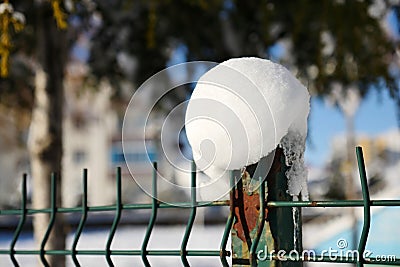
(193, 205)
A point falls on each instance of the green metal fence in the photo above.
(223, 253)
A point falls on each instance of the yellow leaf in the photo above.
(59, 15)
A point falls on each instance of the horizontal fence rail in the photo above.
(193, 205)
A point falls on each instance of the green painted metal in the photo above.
(152, 221)
(82, 220)
(333, 204)
(228, 226)
(280, 208)
(191, 217)
(367, 207)
(53, 212)
(141, 206)
(284, 230)
(118, 211)
(21, 222)
(183, 205)
(260, 224)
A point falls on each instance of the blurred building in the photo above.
(381, 155)
(382, 160)
(92, 140)
(13, 160)
(89, 125)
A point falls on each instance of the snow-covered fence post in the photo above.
(281, 230)
(248, 113)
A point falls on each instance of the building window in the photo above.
(79, 156)
(134, 153)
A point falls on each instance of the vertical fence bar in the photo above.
(229, 222)
(82, 220)
(53, 213)
(21, 221)
(367, 207)
(117, 217)
(154, 208)
(261, 218)
(191, 217)
(283, 217)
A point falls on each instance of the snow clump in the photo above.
(240, 111)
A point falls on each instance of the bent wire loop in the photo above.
(53, 213)
(82, 221)
(154, 207)
(21, 222)
(118, 211)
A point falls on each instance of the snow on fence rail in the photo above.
(242, 253)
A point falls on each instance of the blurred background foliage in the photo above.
(325, 42)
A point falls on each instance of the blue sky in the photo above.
(376, 114)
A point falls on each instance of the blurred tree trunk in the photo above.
(45, 144)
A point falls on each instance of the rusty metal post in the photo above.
(282, 226)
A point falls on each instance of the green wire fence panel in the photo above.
(265, 217)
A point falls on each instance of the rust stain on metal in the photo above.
(247, 209)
